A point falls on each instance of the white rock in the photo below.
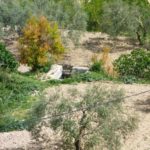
(24, 68)
(79, 70)
(55, 73)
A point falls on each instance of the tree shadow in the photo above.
(116, 44)
(144, 106)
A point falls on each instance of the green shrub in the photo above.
(16, 99)
(129, 79)
(7, 60)
(97, 66)
(136, 64)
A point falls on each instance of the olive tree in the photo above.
(69, 15)
(13, 12)
(120, 18)
(94, 11)
(90, 119)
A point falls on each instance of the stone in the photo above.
(24, 68)
(55, 73)
(80, 70)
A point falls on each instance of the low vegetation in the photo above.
(135, 65)
(16, 89)
(19, 93)
(16, 99)
(7, 60)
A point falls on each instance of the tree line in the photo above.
(115, 17)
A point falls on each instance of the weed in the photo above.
(7, 60)
(16, 99)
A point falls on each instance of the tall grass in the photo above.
(16, 98)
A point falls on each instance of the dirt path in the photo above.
(14, 140)
(140, 105)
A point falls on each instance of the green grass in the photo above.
(87, 77)
(131, 80)
(16, 92)
(16, 99)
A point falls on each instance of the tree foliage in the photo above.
(94, 11)
(90, 119)
(120, 18)
(69, 15)
(40, 43)
(14, 12)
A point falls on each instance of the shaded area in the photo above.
(116, 44)
(143, 106)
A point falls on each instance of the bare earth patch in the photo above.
(14, 140)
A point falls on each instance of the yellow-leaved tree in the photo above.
(40, 43)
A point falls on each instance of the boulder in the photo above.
(24, 68)
(80, 70)
(55, 73)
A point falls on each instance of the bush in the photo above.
(7, 60)
(97, 66)
(136, 64)
(129, 79)
(103, 64)
(16, 99)
(40, 43)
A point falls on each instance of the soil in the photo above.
(14, 140)
(93, 44)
